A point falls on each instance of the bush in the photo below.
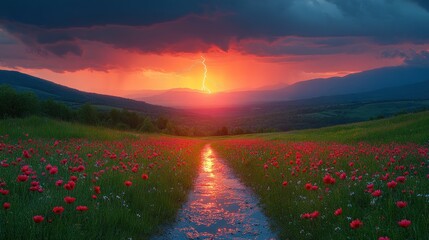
(13, 104)
(56, 110)
(87, 114)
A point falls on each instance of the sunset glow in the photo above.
(214, 119)
(160, 54)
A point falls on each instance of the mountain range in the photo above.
(48, 90)
(356, 83)
(307, 104)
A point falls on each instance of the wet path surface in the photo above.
(220, 207)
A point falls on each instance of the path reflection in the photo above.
(208, 160)
(220, 207)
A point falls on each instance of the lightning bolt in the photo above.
(204, 88)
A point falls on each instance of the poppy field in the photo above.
(76, 188)
(328, 190)
(63, 180)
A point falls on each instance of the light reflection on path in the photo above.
(220, 207)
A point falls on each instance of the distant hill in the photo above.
(49, 90)
(323, 111)
(264, 110)
(415, 92)
(366, 81)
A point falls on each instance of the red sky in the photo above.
(126, 71)
(247, 45)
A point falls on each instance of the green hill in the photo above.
(412, 127)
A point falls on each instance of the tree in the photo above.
(13, 104)
(161, 123)
(147, 125)
(223, 131)
(55, 109)
(87, 114)
(238, 131)
(114, 117)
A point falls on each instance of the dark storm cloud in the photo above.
(195, 25)
(86, 13)
(305, 46)
(418, 59)
(423, 3)
(62, 49)
(411, 57)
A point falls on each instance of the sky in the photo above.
(122, 47)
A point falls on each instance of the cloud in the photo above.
(410, 57)
(418, 59)
(283, 29)
(83, 13)
(422, 3)
(306, 46)
(62, 49)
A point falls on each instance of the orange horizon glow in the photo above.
(229, 71)
(129, 73)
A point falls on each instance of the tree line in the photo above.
(15, 104)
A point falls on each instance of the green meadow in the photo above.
(368, 162)
(133, 184)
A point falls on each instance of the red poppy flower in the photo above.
(328, 179)
(404, 223)
(314, 214)
(338, 212)
(97, 189)
(6, 205)
(69, 200)
(82, 208)
(26, 154)
(400, 179)
(4, 191)
(69, 185)
(22, 178)
(401, 204)
(38, 219)
(59, 183)
(58, 210)
(145, 176)
(392, 184)
(128, 183)
(383, 238)
(376, 193)
(356, 224)
(284, 183)
(53, 170)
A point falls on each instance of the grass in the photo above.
(47, 128)
(363, 152)
(109, 158)
(404, 128)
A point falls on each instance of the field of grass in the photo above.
(125, 185)
(404, 128)
(46, 128)
(357, 181)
